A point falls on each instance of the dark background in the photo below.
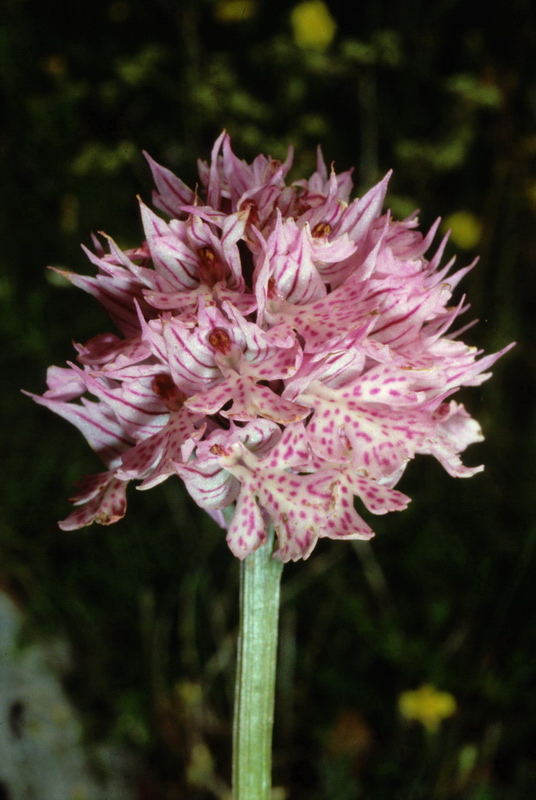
(446, 593)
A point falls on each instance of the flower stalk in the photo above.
(260, 578)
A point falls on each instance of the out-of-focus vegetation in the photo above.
(443, 597)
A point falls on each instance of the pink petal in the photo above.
(104, 501)
(249, 400)
(172, 192)
(137, 408)
(171, 258)
(96, 422)
(154, 458)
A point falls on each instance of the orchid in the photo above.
(283, 349)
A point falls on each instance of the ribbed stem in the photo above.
(260, 578)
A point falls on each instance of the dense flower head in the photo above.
(282, 348)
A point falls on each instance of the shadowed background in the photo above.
(445, 593)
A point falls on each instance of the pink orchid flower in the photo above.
(283, 349)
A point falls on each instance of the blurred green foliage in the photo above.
(447, 97)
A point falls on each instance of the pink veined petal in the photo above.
(264, 203)
(290, 254)
(458, 425)
(335, 369)
(96, 422)
(269, 363)
(117, 295)
(185, 304)
(172, 192)
(472, 374)
(208, 484)
(244, 302)
(404, 314)
(361, 213)
(139, 411)
(153, 459)
(187, 353)
(111, 352)
(63, 384)
(118, 264)
(171, 259)
(233, 231)
(241, 376)
(214, 183)
(329, 252)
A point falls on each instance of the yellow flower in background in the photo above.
(465, 229)
(427, 705)
(234, 10)
(313, 27)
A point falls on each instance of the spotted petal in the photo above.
(296, 504)
(154, 459)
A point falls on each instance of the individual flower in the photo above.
(280, 347)
(427, 705)
(465, 229)
(313, 27)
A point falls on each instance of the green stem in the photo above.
(260, 577)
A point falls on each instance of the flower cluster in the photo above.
(283, 350)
